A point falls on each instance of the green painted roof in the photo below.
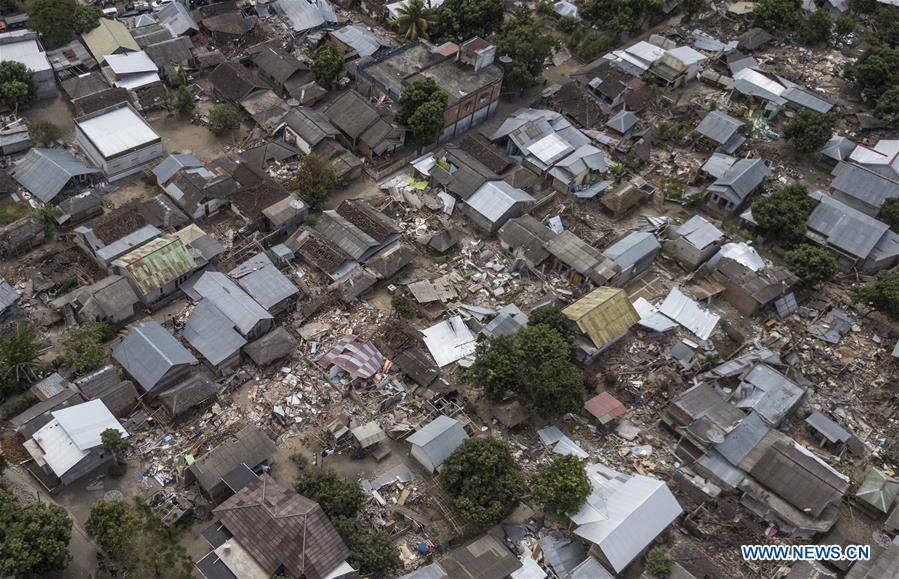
(878, 490)
(157, 263)
(107, 38)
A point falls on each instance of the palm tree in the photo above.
(415, 19)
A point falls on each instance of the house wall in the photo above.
(462, 121)
(45, 83)
(95, 459)
(172, 377)
(419, 454)
(687, 254)
(634, 271)
(260, 329)
(741, 300)
(123, 165)
(294, 138)
(873, 266)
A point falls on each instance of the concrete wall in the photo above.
(95, 459)
(119, 167)
(687, 254)
(421, 456)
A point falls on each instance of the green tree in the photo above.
(658, 563)
(223, 119)
(83, 349)
(620, 16)
(19, 359)
(563, 485)
(782, 215)
(115, 526)
(523, 40)
(114, 443)
(373, 554)
(59, 21)
(43, 132)
(327, 65)
(845, 25)
(555, 319)
(316, 180)
(889, 213)
(403, 306)
(882, 294)
(17, 88)
(415, 20)
(426, 123)
(415, 95)
(693, 8)
(340, 499)
(161, 553)
(886, 26)
(85, 18)
(812, 264)
(464, 19)
(482, 480)
(863, 6)
(497, 367)
(3, 464)
(887, 108)
(875, 71)
(808, 131)
(34, 540)
(775, 15)
(816, 28)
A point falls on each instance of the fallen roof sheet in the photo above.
(449, 341)
(687, 313)
(360, 359)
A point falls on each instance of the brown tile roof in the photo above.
(282, 529)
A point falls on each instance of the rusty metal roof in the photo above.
(157, 263)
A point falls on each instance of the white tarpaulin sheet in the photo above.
(687, 313)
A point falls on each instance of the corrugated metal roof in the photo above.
(361, 39)
(439, 438)
(46, 172)
(632, 248)
(305, 15)
(449, 341)
(148, 352)
(361, 359)
(878, 490)
(699, 232)
(8, 295)
(623, 121)
(121, 246)
(107, 38)
(260, 278)
(85, 422)
(742, 253)
(509, 320)
(232, 301)
(176, 18)
(838, 148)
(212, 334)
(741, 179)
(583, 258)
(769, 393)
(740, 441)
(830, 429)
(130, 63)
(719, 126)
(170, 166)
(687, 313)
(807, 99)
(157, 263)
(864, 184)
(494, 198)
(846, 228)
(603, 314)
(339, 231)
(624, 514)
(250, 446)
(118, 130)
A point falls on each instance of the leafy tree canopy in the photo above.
(781, 216)
(16, 85)
(59, 21)
(621, 16)
(886, 25)
(889, 213)
(34, 540)
(223, 119)
(43, 132)
(523, 40)
(415, 95)
(464, 19)
(83, 349)
(808, 131)
(427, 122)
(887, 108)
(658, 563)
(113, 442)
(875, 71)
(19, 359)
(536, 364)
(316, 180)
(775, 15)
(693, 8)
(415, 20)
(373, 554)
(563, 485)
(816, 28)
(114, 525)
(483, 480)
(555, 319)
(882, 294)
(812, 264)
(327, 65)
(340, 499)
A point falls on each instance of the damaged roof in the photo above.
(46, 172)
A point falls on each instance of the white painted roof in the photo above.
(60, 452)
(131, 63)
(117, 131)
(26, 52)
(450, 340)
(84, 423)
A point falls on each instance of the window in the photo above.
(483, 98)
(467, 107)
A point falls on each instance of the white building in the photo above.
(23, 46)
(118, 140)
(69, 446)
